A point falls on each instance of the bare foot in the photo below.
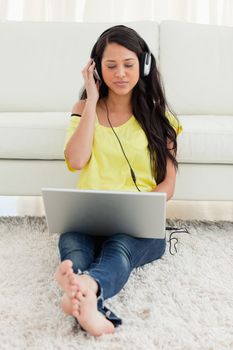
(76, 283)
(87, 314)
(80, 300)
(63, 277)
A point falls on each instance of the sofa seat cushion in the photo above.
(32, 135)
(206, 139)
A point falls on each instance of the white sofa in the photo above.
(40, 79)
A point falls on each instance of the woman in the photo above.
(122, 137)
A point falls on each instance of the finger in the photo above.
(90, 64)
(85, 69)
(90, 70)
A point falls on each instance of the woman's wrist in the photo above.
(91, 103)
(89, 109)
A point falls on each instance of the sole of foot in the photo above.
(88, 316)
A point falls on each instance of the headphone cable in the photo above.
(131, 169)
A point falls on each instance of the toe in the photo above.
(66, 266)
(68, 263)
(69, 272)
(74, 300)
(72, 294)
(79, 296)
(73, 288)
(72, 279)
(76, 313)
(76, 306)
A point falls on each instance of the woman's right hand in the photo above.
(91, 86)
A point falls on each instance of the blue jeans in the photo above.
(109, 260)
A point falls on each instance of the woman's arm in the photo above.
(79, 148)
(168, 184)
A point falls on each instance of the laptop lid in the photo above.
(140, 214)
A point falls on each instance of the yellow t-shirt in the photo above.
(107, 168)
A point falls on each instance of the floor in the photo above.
(186, 210)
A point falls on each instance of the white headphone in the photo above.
(145, 64)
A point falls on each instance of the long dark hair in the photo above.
(148, 99)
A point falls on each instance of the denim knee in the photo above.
(65, 244)
(121, 243)
(75, 247)
(139, 251)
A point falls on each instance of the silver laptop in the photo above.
(140, 214)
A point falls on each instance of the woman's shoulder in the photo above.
(78, 108)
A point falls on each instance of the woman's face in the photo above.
(120, 68)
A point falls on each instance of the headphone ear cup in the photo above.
(98, 66)
(145, 64)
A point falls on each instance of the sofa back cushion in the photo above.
(41, 63)
(196, 63)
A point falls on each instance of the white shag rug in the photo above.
(180, 302)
